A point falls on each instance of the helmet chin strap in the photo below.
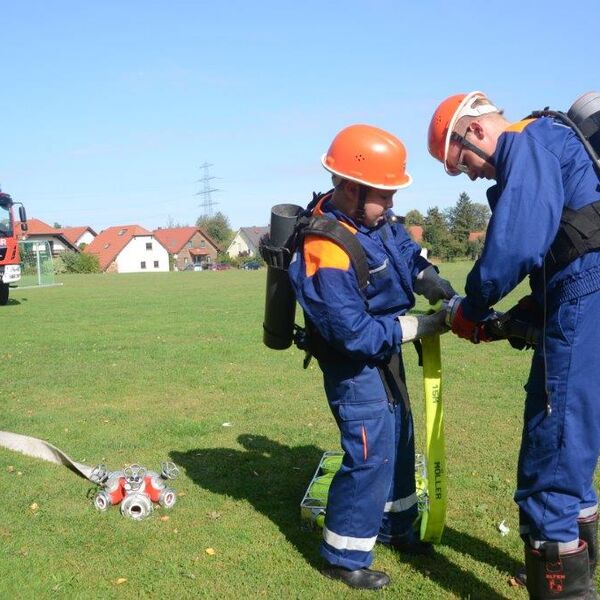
(360, 209)
(461, 139)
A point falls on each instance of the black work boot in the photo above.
(551, 575)
(363, 579)
(588, 532)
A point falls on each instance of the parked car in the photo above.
(220, 267)
(251, 265)
(193, 267)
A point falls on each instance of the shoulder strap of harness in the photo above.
(333, 230)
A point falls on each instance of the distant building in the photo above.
(79, 235)
(38, 231)
(187, 245)
(416, 233)
(476, 235)
(129, 249)
(245, 242)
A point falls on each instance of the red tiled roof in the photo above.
(74, 233)
(415, 232)
(476, 235)
(36, 227)
(175, 238)
(108, 243)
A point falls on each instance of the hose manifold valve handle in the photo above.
(135, 489)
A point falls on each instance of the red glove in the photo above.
(468, 330)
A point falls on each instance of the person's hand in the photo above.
(429, 284)
(465, 328)
(415, 327)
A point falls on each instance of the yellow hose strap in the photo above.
(434, 518)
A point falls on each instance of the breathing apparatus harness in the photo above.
(290, 224)
(579, 230)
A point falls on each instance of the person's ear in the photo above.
(477, 129)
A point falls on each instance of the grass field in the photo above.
(127, 369)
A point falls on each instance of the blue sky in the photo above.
(108, 109)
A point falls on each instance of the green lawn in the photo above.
(144, 368)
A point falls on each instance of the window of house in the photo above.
(189, 244)
(202, 243)
(143, 264)
(122, 232)
(156, 264)
(148, 245)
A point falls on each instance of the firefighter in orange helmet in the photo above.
(545, 224)
(356, 333)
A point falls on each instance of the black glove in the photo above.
(529, 316)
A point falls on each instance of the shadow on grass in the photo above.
(271, 476)
(455, 579)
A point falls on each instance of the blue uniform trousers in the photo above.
(372, 497)
(561, 435)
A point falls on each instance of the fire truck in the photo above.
(10, 268)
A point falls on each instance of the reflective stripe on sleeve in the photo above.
(344, 542)
(401, 504)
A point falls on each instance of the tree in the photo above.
(414, 217)
(465, 217)
(57, 225)
(435, 231)
(217, 227)
(482, 216)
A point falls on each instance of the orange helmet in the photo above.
(370, 156)
(445, 118)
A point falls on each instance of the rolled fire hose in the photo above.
(433, 517)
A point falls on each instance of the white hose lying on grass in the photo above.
(37, 448)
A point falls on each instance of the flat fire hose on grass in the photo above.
(433, 517)
(134, 488)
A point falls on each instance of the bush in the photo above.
(59, 265)
(80, 262)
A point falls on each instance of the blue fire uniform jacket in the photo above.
(541, 168)
(372, 497)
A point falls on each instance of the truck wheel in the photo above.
(3, 294)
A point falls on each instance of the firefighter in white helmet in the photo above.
(545, 210)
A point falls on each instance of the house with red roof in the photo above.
(246, 240)
(187, 245)
(129, 249)
(416, 233)
(79, 235)
(38, 231)
(476, 235)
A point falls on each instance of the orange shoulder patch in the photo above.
(519, 125)
(322, 253)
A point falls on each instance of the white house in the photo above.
(129, 249)
(79, 235)
(245, 242)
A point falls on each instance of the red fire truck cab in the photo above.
(10, 267)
